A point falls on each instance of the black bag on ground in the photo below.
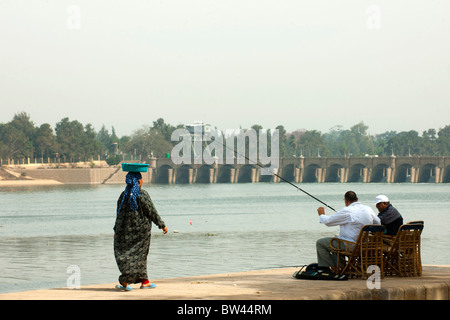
(313, 272)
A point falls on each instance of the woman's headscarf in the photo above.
(132, 190)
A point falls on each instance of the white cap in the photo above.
(381, 198)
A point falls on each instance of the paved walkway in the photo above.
(273, 284)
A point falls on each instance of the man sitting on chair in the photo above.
(350, 219)
(389, 216)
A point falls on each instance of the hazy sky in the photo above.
(303, 64)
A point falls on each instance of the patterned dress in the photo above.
(132, 237)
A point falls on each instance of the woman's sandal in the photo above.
(148, 286)
(125, 287)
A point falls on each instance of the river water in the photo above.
(215, 228)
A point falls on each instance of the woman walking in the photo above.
(132, 232)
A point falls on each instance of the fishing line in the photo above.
(281, 178)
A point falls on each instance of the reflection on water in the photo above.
(235, 227)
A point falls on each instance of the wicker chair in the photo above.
(418, 256)
(403, 257)
(354, 258)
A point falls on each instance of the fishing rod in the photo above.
(281, 178)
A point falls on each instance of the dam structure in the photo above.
(410, 169)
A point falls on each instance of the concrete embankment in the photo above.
(36, 176)
(78, 175)
(273, 284)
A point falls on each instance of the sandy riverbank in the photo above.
(28, 183)
(10, 178)
(271, 284)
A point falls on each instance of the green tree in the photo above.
(443, 141)
(45, 141)
(22, 122)
(282, 141)
(429, 143)
(363, 142)
(105, 140)
(15, 144)
(17, 137)
(405, 143)
(75, 141)
(91, 146)
(148, 140)
(291, 146)
(69, 135)
(353, 142)
(381, 143)
(163, 129)
(312, 143)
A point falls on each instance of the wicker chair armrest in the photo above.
(343, 246)
(388, 239)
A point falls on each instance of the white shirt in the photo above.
(351, 219)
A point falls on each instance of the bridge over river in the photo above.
(410, 169)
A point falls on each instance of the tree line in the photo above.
(71, 141)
